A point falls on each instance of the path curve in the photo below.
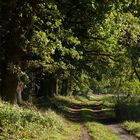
(116, 129)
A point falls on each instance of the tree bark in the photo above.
(64, 89)
(9, 86)
(135, 69)
(10, 89)
(52, 86)
(48, 87)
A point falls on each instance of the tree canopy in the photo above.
(64, 46)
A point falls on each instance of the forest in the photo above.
(69, 62)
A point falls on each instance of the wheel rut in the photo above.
(97, 114)
(84, 133)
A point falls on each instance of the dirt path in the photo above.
(116, 129)
(83, 113)
(108, 122)
(84, 135)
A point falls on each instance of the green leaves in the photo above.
(100, 38)
(40, 44)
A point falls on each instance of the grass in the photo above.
(132, 127)
(30, 124)
(18, 123)
(100, 132)
(96, 130)
(92, 100)
(104, 102)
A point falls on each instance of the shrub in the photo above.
(132, 127)
(128, 109)
(18, 123)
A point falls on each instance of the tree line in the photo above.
(51, 47)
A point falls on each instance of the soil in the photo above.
(85, 135)
(116, 129)
(112, 124)
(96, 113)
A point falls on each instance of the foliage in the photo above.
(127, 108)
(19, 123)
(72, 46)
(132, 127)
(62, 47)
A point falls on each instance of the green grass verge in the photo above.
(23, 124)
(93, 100)
(132, 127)
(100, 132)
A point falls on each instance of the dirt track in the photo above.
(85, 135)
(123, 135)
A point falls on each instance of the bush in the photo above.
(18, 123)
(128, 109)
(132, 127)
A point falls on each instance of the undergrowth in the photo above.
(132, 127)
(18, 123)
(128, 109)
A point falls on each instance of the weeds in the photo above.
(132, 127)
(18, 123)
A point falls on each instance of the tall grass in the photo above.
(18, 123)
(132, 127)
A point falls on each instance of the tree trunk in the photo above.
(19, 90)
(64, 89)
(52, 86)
(48, 87)
(134, 67)
(9, 86)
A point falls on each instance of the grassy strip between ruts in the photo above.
(100, 132)
(18, 123)
(132, 127)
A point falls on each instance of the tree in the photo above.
(56, 43)
(35, 42)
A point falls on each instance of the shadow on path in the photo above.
(82, 113)
(79, 112)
